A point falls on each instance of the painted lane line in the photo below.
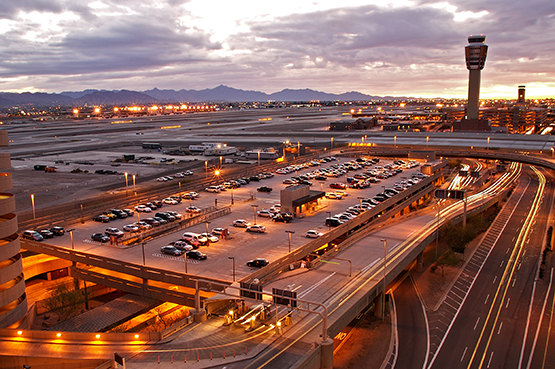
(462, 357)
(509, 300)
(487, 297)
(499, 330)
(477, 321)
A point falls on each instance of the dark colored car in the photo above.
(160, 220)
(264, 189)
(283, 217)
(195, 254)
(58, 231)
(101, 218)
(254, 178)
(119, 213)
(171, 250)
(166, 216)
(100, 237)
(158, 203)
(333, 222)
(32, 235)
(45, 233)
(258, 263)
(153, 222)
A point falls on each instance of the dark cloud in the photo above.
(395, 50)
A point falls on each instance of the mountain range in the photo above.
(125, 97)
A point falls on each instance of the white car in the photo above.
(210, 237)
(200, 238)
(333, 195)
(214, 189)
(143, 209)
(130, 228)
(193, 209)
(265, 213)
(313, 234)
(256, 228)
(170, 201)
(242, 223)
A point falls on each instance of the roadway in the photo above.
(495, 324)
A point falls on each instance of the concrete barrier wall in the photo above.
(8, 225)
(89, 338)
(6, 182)
(8, 272)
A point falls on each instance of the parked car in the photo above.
(256, 228)
(129, 212)
(170, 201)
(165, 215)
(45, 233)
(264, 189)
(110, 215)
(258, 263)
(153, 222)
(195, 254)
(241, 223)
(333, 195)
(171, 250)
(203, 240)
(143, 208)
(338, 185)
(194, 210)
(32, 235)
(333, 222)
(100, 237)
(101, 218)
(313, 234)
(58, 231)
(143, 226)
(265, 213)
(182, 245)
(175, 214)
(130, 228)
(119, 213)
(212, 238)
(114, 232)
(191, 241)
(160, 220)
(283, 217)
(218, 231)
(214, 189)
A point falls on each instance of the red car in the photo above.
(338, 185)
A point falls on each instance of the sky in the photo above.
(377, 47)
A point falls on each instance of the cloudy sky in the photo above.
(378, 47)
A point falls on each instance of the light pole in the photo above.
(321, 186)
(134, 176)
(82, 219)
(220, 161)
(254, 207)
(33, 203)
(71, 237)
(185, 259)
(329, 217)
(395, 141)
(437, 227)
(427, 139)
(207, 223)
(360, 201)
(258, 152)
(289, 235)
(331, 145)
(206, 168)
(126, 184)
(232, 195)
(383, 188)
(488, 143)
(143, 247)
(233, 265)
(384, 274)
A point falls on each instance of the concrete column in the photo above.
(326, 351)
(378, 302)
(420, 262)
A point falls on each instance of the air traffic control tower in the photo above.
(475, 52)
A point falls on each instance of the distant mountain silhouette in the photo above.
(218, 94)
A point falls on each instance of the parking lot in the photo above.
(242, 246)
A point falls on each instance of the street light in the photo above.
(254, 207)
(329, 216)
(207, 223)
(258, 152)
(233, 265)
(220, 161)
(33, 203)
(143, 247)
(289, 235)
(488, 143)
(134, 176)
(331, 146)
(206, 168)
(383, 187)
(360, 201)
(232, 195)
(126, 183)
(384, 274)
(185, 259)
(427, 139)
(82, 219)
(71, 236)
(395, 141)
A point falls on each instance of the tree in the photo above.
(450, 258)
(64, 302)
